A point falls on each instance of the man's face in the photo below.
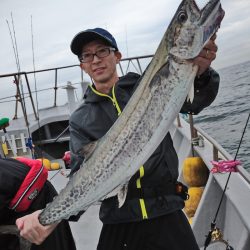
(101, 70)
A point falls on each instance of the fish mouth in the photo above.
(209, 7)
(195, 5)
(210, 4)
(210, 19)
(206, 9)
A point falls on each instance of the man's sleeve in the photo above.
(205, 90)
(77, 141)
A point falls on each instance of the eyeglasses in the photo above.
(100, 53)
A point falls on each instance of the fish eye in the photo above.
(182, 16)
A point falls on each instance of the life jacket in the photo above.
(31, 185)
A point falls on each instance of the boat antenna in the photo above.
(213, 223)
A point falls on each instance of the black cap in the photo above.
(89, 35)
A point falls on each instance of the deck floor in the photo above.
(87, 230)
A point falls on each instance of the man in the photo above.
(24, 189)
(155, 220)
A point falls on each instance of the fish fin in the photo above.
(190, 96)
(120, 192)
(113, 193)
(88, 149)
(121, 196)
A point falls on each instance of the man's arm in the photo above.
(206, 83)
(78, 138)
(205, 90)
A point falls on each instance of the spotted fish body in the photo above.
(148, 115)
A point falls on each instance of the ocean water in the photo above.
(226, 117)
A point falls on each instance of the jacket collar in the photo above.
(127, 81)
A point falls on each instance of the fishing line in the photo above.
(213, 223)
(52, 177)
(34, 69)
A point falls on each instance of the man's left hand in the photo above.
(206, 56)
(31, 229)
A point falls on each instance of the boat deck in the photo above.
(87, 230)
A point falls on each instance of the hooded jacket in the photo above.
(151, 190)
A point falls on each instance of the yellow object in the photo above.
(195, 172)
(192, 203)
(55, 166)
(5, 148)
(46, 163)
(142, 202)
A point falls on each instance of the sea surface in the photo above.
(226, 117)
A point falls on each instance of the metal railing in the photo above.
(20, 96)
(124, 65)
(134, 62)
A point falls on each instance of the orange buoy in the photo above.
(54, 166)
(195, 172)
(46, 163)
(192, 203)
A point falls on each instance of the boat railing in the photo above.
(138, 64)
(20, 95)
(219, 153)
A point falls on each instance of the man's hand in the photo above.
(206, 56)
(32, 230)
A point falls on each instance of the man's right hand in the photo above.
(31, 229)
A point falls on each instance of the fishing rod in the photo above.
(34, 69)
(15, 50)
(37, 104)
(19, 80)
(213, 223)
(12, 42)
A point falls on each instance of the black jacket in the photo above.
(94, 118)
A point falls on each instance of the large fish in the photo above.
(147, 117)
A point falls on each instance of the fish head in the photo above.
(192, 27)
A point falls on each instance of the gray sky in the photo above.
(138, 27)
